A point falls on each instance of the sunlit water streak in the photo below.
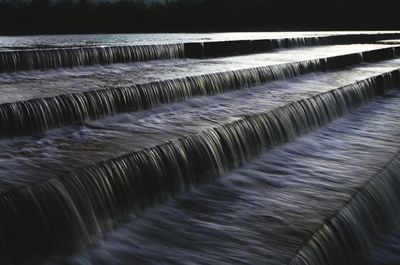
(265, 211)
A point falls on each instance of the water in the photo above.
(44, 113)
(234, 156)
(29, 85)
(385, 249)
(57, 152)
(137, 39)
(32, 57)
(265, 211)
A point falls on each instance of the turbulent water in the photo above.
(266, 210)
(254, 148)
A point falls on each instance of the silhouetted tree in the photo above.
(83, 3)
(37, 4)
(40, 16)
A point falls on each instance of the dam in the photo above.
(214, 148)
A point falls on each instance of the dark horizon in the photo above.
(43, 17)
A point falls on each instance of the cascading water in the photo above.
(73, 57)
(211, 176)
(44, 113)
(65, 57)
(385, 248)
(355, 224)
(274, 204)
(139, 179)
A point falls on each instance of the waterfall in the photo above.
(43, 113)
(73, 210)
(52, 58)
(43, 59)
(346, 237)
(225, 48)
(191, 169)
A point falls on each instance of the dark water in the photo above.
(18, 86)
(27, 159)
(289, 156)
(266, 210)
(386, 248)
(39, 114)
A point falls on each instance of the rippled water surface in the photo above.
(263, 212)
(27, 85)
(118, 157)
(59, 151)
(107, 39)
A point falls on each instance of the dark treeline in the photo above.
(41, 16)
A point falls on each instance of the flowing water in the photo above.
(266, 210)
(121, 39)
(283, 156)
(39, 84)
(44, 113)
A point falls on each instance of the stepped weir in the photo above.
(268, 151)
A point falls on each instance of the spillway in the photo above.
(241, 151)
(43, 113)
(299, 196)
(14, 59)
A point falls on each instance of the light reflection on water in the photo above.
(121, 39)
(26, 85)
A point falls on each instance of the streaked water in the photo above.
(265, 211)
(386, 248)
(27, 85)
(91, 201)
(280, 150)
(56, 152)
